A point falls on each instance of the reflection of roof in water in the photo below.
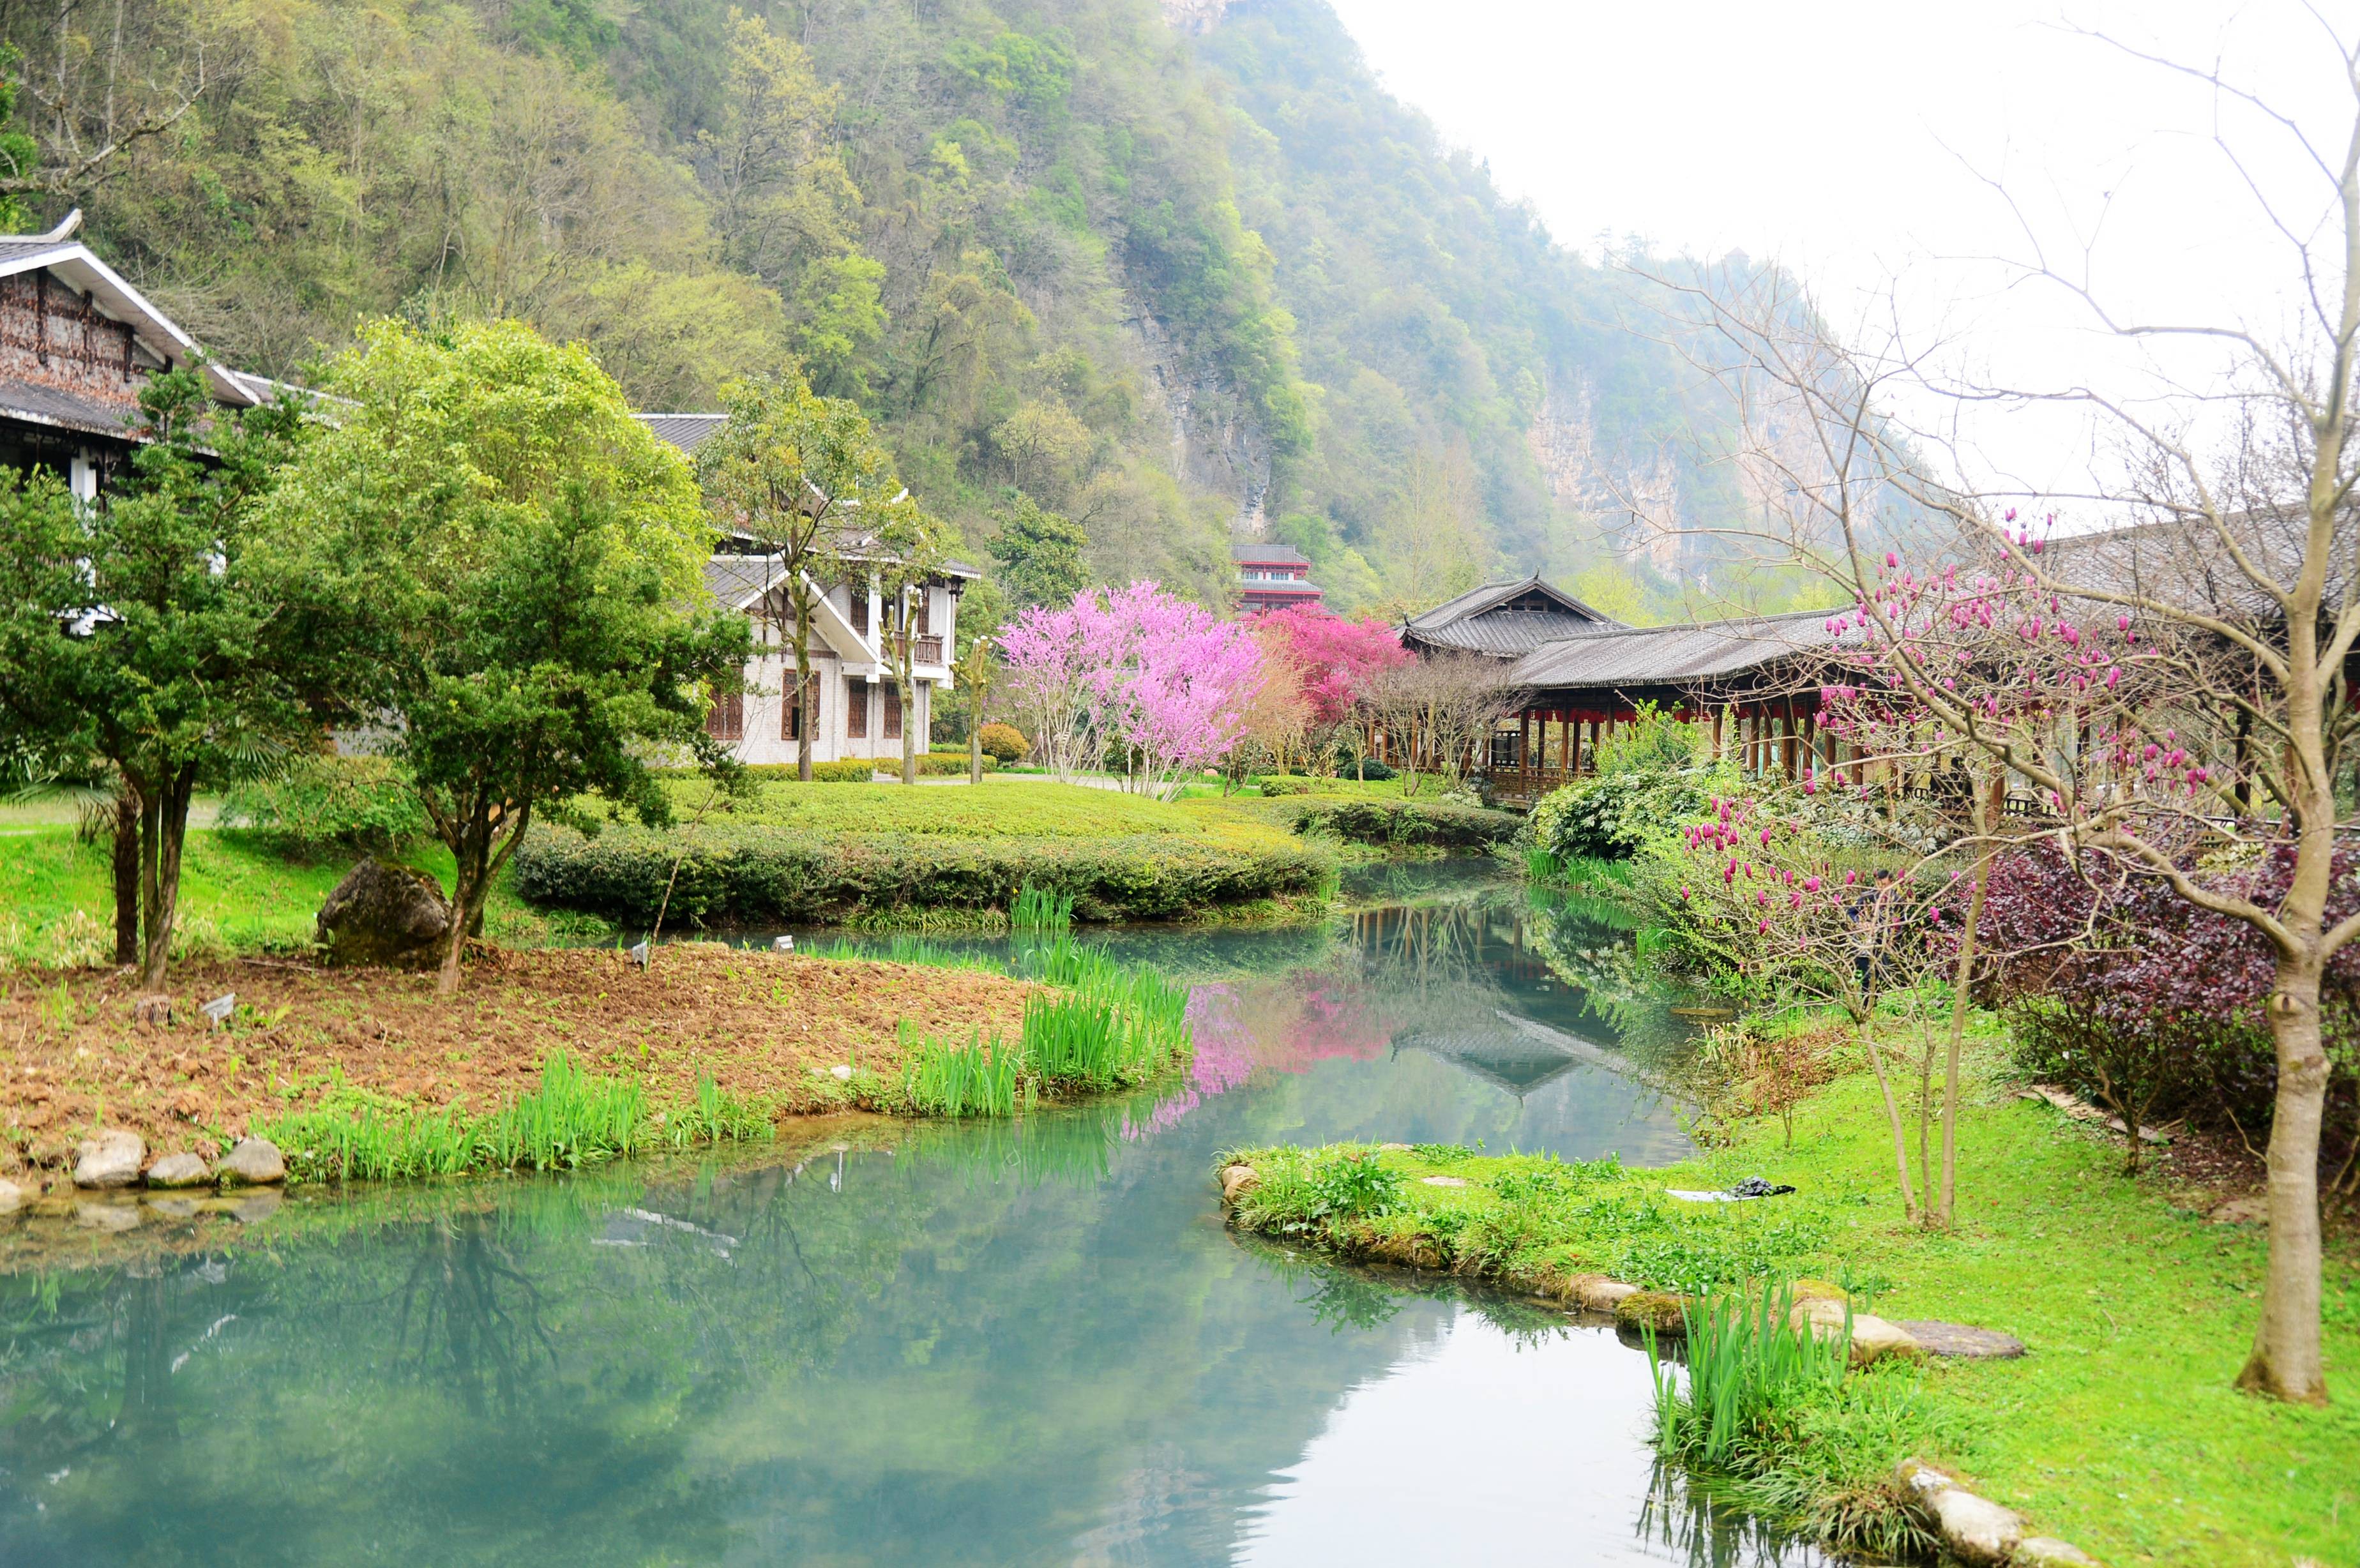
(1515, 1054)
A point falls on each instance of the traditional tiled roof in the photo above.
(737, 581)
(686, 431)
(1483, 621)
(66, 410)
(1290, 587)
(1633, 657)
(1267, 555)
(69, 259)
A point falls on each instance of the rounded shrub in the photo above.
(1005, 743)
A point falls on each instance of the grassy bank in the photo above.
(375, 1058)
(2119, 1431)
(56, 899)
(883, 853)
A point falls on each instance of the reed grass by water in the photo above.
(980, 1078)
(572, 1119)
(1749, 1367)
(1040, 909)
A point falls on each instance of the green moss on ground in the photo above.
(2120, 1430)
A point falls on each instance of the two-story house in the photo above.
(853, 702)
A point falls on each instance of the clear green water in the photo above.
(901, 1344)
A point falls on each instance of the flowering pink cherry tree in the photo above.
(1338, 656)
(1135, 676)
(1764, 900)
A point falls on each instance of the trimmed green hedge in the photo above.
(1406, 822)
(860, 770)
(756, 874)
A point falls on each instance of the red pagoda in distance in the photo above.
(1272, 577)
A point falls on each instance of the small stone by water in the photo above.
(255, 1160)
(180, 1170)
(111, 1159)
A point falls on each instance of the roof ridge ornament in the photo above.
(68, 226)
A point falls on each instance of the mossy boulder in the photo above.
(1657, 1310)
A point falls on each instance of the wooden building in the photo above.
(1578, 673)
(77, 343)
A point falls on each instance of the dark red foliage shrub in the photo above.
(2125, 991)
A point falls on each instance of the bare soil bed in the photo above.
(767, 1027)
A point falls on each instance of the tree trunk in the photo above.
(1946, 1204)
(163, 830)
(126, 813)
(799, 596)
(974, 753)
(1893, 1116)
(2286, 1362)
(470, 859)
(909, 698)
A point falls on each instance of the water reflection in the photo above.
(899, 1344)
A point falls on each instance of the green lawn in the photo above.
(2119, 1431)
(57, 902)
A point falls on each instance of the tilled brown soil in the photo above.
(766, 1026)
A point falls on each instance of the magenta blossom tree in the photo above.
(1338, 656)
(1134, 676)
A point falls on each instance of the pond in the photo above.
(879, 1343)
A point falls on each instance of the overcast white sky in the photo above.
(1850, 140)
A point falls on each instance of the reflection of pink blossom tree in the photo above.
(1134, 668)
(1223, 1060)
(1286, 1023)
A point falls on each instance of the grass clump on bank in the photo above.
(802, 853)
(2120, 1430)
(1103, 1027)
(1399, 823)
(574, 1119)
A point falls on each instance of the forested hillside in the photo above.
(1164, 281)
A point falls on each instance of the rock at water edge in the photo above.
(1939, 1338)
(254, 1160)
(1238, 1180)
(111, 1159)
(13, 1197)
(180, 1170)
(1873, 1338)
(1976, 1529)
(1651, 1308)
(2047, 1552)
(385, 915)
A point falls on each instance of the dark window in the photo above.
(925, 609)
(790, 715)
(892, 695)
(860, 609)
(725, 720)
(1507, 747)
(856, 708)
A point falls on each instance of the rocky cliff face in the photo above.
(1194, 18)
(1632, 498)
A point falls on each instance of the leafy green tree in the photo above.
(510, 565)
(140, 631)
(1040, 554)
(807, 480)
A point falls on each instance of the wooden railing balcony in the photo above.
(924, 651)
